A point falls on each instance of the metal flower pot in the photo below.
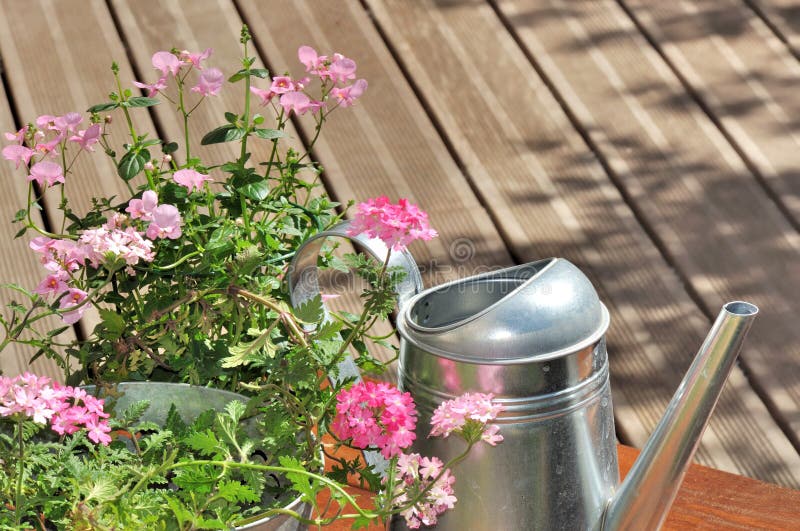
(190, 401)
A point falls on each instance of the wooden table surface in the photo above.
(708, 499)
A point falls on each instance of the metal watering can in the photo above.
(533, 335)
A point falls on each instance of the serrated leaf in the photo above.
(113, 323)
(268, 134)
(247, 352)
(300, 482)
(141, 101)
(328, 330)
(100, 107)
(310, 311)
(195, 479)
(135, 411)
(234, 491)
(103, 489)
(224, 133)
(205, 442)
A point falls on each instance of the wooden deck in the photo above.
(654, 144)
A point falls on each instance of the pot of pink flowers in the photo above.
(197, 396)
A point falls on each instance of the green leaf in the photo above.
(224, 133)
(328, 330)
(141, 101)
(247, 352)
(234, 491)
(103, 489)
(231, 117)
(205, 442)
(131, 164)
(221, 239)
(268, 134)
(311, 311)
(170, 147)
(100, 107)
(300, 482)
(262, 73)
(256, 191)
(113, 322)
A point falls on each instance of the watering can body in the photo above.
(534, 336)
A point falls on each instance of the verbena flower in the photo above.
(415, 474)
(397, 225)
(375, 415)
(468, 415)
(67, 409)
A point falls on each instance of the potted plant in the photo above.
(184, 281)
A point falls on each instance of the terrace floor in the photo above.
(653, 144)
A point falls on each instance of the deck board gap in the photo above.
(774, 28)
(770, 192)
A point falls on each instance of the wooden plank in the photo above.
(687, 184)
(18, 264)
(743, 75)
(552, 196)
(783, 17)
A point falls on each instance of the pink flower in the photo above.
(195, 58)
(153, 88)
(17, 154)
(295, 101)
(98, 431)
(396, 225)
(166, 63)
(468, 416)
(346, 96)
(166, 223)
(143, 208)
(53, 284)
(190, 179)
(415, 474)
(106, 244)
(19, 136)
(264, 95)
(375, 415)
(87, 138)
(316, 64)
(342, 69)
(46, 121)
(46, 172)
(73, 299)
(68, 123)
(209, 83)
(282, 85)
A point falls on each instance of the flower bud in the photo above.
(107, 119)
(148, 166)
(166, 159)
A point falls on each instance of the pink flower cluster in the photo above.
(209, 81)
(416, 473)
(396, 224)
(291, 94)
(67, 409)
(165, 220)
(375, 415)
(50, 133)
(468, 415)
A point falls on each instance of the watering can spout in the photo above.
(643, 500)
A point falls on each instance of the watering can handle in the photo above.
(303, 278)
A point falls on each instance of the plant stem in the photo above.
(20, 473)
